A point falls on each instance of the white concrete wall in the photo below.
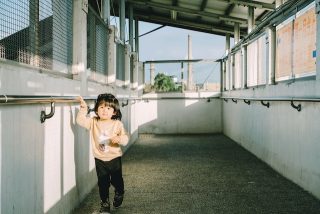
(178, 115)
(281, 136)
(46, 167)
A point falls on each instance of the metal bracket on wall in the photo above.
(234, 100)
(125, 104)
(265, 104)
(44, 116)
(298, 107)
(246, 101)
(226, 100)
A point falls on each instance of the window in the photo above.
(296, 45)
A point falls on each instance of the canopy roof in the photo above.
(210, 16)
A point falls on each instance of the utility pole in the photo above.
(190, 81)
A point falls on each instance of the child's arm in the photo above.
(122, 137)
(82, 118)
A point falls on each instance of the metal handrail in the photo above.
(300, 99)
(26, 99)
(40, 99)
(265, 101)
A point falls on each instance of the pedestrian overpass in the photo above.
(261, 123)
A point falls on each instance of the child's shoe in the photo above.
(105, 207)
(117, 201)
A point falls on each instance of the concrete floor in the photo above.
(201, 174)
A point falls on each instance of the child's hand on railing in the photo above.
(83, 104)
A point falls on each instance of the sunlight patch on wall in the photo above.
(69, 176)
(32, 84)
(148, 111)
(190, 102)
(52, 162)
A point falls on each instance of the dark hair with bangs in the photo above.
(108, 100)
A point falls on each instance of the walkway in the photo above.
(202, 174)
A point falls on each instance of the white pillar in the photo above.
(227, 44)
(122, 17)
(317, 40)
(272, 55)
(250, 18)
(121, 49)
(131, 26)
(244, 67)
(106, 11)
(152, 73)
(232, 76)
(190, 78)
(221, 75)
(224, 75)
(227, 81)
(135, 71)
(79, 65)
(127, 56)
(112, 50)
(136, 32)
(236, 33)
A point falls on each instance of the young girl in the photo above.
(107, 134)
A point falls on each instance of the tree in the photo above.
(163, 83)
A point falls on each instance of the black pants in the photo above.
(109, 172)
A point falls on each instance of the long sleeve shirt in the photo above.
(100, 128)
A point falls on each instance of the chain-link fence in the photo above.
(37, 32)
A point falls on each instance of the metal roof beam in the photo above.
(255, 4)
(188, 11)
(203, 5)
(209, 28)
(173, 12)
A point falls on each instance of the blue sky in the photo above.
(172, 43)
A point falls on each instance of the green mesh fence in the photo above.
(37, 32)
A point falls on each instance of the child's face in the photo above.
(105, 112)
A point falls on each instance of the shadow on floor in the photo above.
(201, 174)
